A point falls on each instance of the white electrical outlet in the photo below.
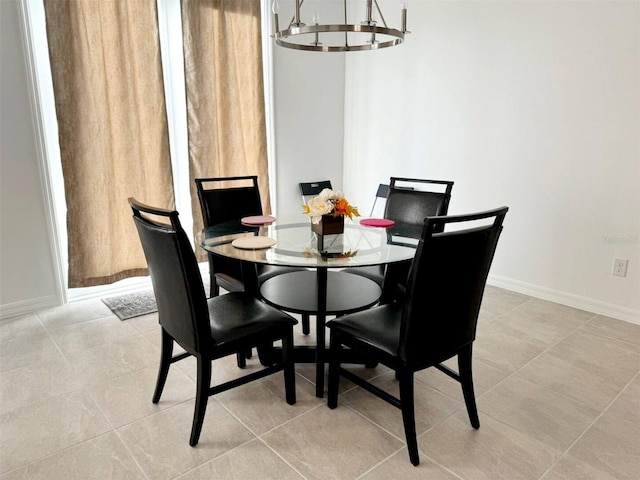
(620, 267)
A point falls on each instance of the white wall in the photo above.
(27, 279)
(309, 115)
(534, 105)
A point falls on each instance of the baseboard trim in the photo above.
(26, 307)
(590, 305)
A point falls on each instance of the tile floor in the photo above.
(558, 391)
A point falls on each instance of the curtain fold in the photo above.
(225, 93)
(107, 79)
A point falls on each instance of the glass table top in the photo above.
(297, 246)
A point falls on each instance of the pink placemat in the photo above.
(258, 220)
(377, 222)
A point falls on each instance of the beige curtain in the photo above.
(225, 99)
(107, 78)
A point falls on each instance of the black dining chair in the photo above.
(408, 202)
(311, 189)
(223, 199)
(435, 321)
(206, 329)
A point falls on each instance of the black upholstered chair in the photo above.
(230, 198)
(206, 329)
(427, 198)
(408, 202)
(223, 199)
(435, 321)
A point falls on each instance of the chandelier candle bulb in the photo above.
(297, 22)
(316, 21)
(404, 15)
(275, 8)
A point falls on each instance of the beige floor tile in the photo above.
(261, 405)
(127, 398)
(101, 458)
(144, 323)
(431, 406)
(540, 413)
(568, 468)
(34, 383)
(542, 309)
(502, 350)
(493, 452)
(72, 313)
(21, 352)
(50, 427)
(94, 365)
(160, 443)
(627, 405)
(593, 389)
(600, 355)
(21, 327)
(336, 444)
(34, 431)
(532, 322)
(398, 466)
(497, 301)
(485, 376)
(251, 461)
(613, 329)
(611, 445)
(91, 334)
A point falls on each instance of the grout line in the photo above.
(566, 452)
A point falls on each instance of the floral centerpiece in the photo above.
(327, 212)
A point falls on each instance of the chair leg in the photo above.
(408, 414)
(306, 328)
(466, 379)
(165, 363)
(214, 288)
(241, 359)
(202, 397)
(289, 368)
(334, 374)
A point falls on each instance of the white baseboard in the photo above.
(583, 303)
(26, 307)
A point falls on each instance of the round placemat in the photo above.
(253, 243)
(377, 222)
(258, 220)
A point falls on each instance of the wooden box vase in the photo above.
(329, 225)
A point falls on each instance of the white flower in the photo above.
(328, 195)
(318, 207)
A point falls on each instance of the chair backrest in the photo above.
(311, 189)
(382, 193)
(176, 279)
(413, 206)
(221, 203)
(445, 286)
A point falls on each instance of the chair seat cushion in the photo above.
(235, 316)
(377, 327)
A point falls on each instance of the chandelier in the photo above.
(340, 37)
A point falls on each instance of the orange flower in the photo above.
(343, 209)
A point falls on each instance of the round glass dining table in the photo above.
(317, 282)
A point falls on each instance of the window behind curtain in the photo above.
(110, 107)
(225, 93)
